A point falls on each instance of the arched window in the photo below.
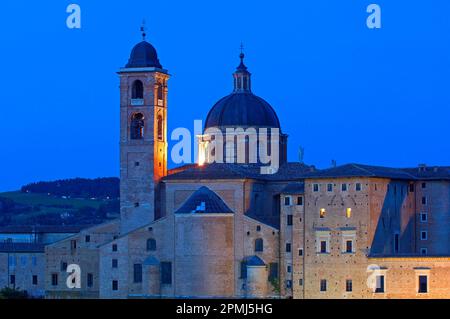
(259, 245)
(151, 244)
(160, 128)
(138, 90)
(137, 126)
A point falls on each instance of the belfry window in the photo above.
(137, 90)
(160, 92)
(160, 129)
(137, 126)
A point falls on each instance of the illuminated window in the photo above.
(137, 126)
(348, 213)
(137, 90)
(160, 128)
(323, 212)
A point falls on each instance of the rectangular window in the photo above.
(88, 239)
(348, 285)
(349, 246)
(35, 280)
(323, 285)
(329, 187)
(243, 270)
(344, 187)
(288, 247)
(12, 280)
(379, 284)
(54, 279)
(424, 185)
(166, 273)
(137, 273)
(114, 248)
(289, 220)
(90, 280)
(323, 247)
(63, 266)
(289, 269)
(73, 244)
(424, 200)
(273, 271)
(348, 213)
(315, 188)
(300, 201)
(423, 217)
(396, 243)
(358, 187)
(411, 188)
(423, 251)
(115, 285)
(300, 282)
(300, 252)
(423, 235)
(423, 284)
(287, 201)
(323, 213)
(114, 263)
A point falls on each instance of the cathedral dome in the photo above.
(144, 55)
(242, 108)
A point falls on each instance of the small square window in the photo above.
(136, 205)
(316, 188)
(88, 239)
(137, 164)
(287, 201)
(258, 228)
(323, 285)
(349, 246)
(424, 235)
(423, 251)
(344, 187)
(290, 220)
(323, 212)
(423, 217)
(348, 213)
(348, 285)
(288, 247)
(323, 247)
(329, 187)
(423, 284)
(114, 247)
(358, 187)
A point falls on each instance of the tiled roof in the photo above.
(360, 170)
(294, 188)
(43, 229)
(430, 173)
(287, 172)
(204, 201)
(22, 248)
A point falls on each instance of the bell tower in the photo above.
(143, 136)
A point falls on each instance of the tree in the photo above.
(13, 293)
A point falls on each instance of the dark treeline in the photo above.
(77, 188)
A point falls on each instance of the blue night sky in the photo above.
(342, 91)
